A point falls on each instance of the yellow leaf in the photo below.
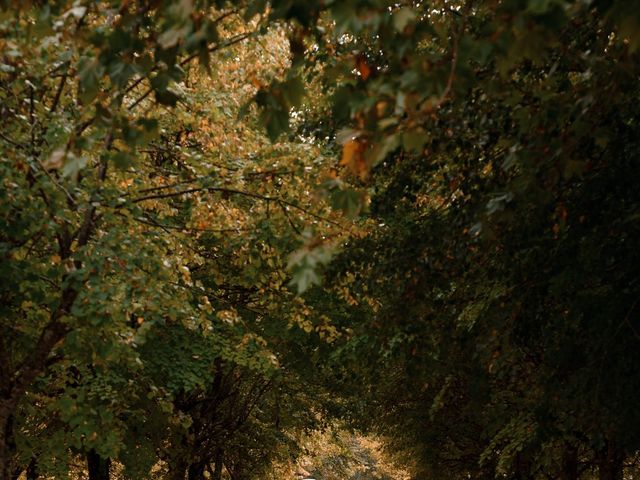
(381, 108)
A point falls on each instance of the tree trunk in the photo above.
(610, 463)
(178, 469)
(569, 464)
(30, 473)
(196, 471)
(6, 439)
(98, 466)
(15, 382)
(32, 470)
(522, 467)
(217, 472)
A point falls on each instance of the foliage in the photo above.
(497, 142)
(147, 249)
(448, 186)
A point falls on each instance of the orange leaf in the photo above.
(353, 157)
(255, 82)
(363, 68)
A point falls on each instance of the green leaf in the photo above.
(293, 91)
(414, 140)
(303, 278)
(122, 160)
(381, 149)
(349, 200)
(73, 165)
(167, 97)
(170, 38)
(120, 73)
(90, 73)
(403, 17)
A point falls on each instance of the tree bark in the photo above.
(217, 472)
(32, 470)
(25, 374)
(610, 463)
(522, 467)
(569, 464)
(178, 469)
(16, 380)
(98, 466)
(6, 439)
(196, 471)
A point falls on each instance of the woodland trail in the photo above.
(340, 455)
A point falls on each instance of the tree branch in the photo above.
(432, 105)
(56, 99)
(219, 46)
(232, 191)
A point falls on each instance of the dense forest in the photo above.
(329, 239)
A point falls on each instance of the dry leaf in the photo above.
(353, 157)
(55, 160)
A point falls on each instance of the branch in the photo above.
(266, 173)
(56, 99)
(628, 321)
(51, 335)
(56, 183)
(232, 41)
(140, 99)
(88, 225)
(232, 191)
(12, 142)
(153, 223)
(141, 79)
(434, 105)
(289, 219)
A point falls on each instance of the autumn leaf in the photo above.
(255, 82)
(363, 68)
(353, 157)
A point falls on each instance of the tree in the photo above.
(121, 223)
(498, 153)
(485, 301)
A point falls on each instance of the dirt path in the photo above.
(347, 456)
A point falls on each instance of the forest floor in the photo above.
(341, 455)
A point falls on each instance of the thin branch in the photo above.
(84, 125)
(434, 105)
(289, 219)
(56, 183)
(56, 99)
(235, 192)
(215, 21)
(161, 187)
(140, 99)
(311, 214)
(269, 173)
(159, 196)
(196, 179)
(153, 223)
(232, 41)
(628, 321)
(32, 119)
(216, 297)
(12, 142)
